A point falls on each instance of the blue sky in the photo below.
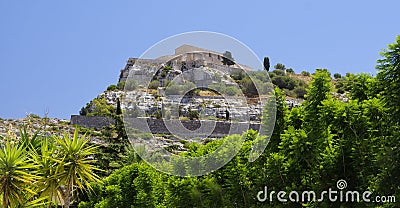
(56, 56)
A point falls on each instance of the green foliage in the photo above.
(312, 146)
(221, 88)
(121, 85)
(40, 171)
(318, 91)
(238, 75)
(361, 86)
(291, 85)
(112, 88)
(290, 71)
(176, 89)
(193, 114)
(388, 83)
(100, 107)
(389, 77)
(16, 181)
(280, 66)
(267, 64)
(305, 73)
(337, 76)
(154, 84)
(300, 92)
(31, 115)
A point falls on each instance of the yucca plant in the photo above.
(49, 181)
(17, 174)
(75, 165)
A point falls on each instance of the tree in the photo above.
(280, 66)
(319, 90)
(290, 70)
(112, 88)
(75, 168)
(305, 73)
(389, 77)
(193, 114)
(227, 58)
(337, 76)
(361, 86)
(267, 65)
(100, 107)
(154, 84)
(118, 110)
(49, 182)
(17, 176)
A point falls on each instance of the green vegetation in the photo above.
(292, 85)
(154, 84)
(40, 171)
(112, 88)
(98, 107)
(225, 90)
(312, 146)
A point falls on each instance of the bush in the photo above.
(33, 116)
(231, 91)
(238, 75)
(300, 92)
(290, 70)
(284, 82)
(337, 76)
(305, 73)
(278, 73)
(280, 66)
(193, 114)
(112, 88)
(154, 84)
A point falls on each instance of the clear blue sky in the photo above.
(58, 55)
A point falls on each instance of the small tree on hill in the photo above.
(280, 66)
(267, 65)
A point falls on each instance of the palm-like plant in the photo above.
(17, 176)
(49, 182)
(75, 167)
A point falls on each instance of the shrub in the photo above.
(121, 85)
(305, 73)
(284, 82)
(193, 114)
(300, 92)
(112, 88)
(238, 75)
(278, 72)
(154, 84)
(280, 66)
(290, 70)
(337, 76)
(33, 116)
